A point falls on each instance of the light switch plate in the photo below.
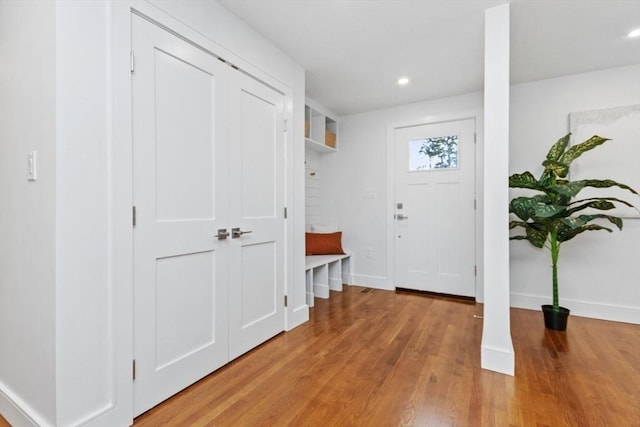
(32, 165)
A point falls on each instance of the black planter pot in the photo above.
(554, 320)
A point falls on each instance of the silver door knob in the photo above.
(222, 234)
(236, 232)
(401, 216)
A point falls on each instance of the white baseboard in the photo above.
(376, 282)
(310, 299)
(617, 313)
(321, 290)
(335, 284)
(498, 360)
(17, 412)
(297, 317)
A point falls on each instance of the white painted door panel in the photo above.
(256, 205)
(435, 221)
(179, 96)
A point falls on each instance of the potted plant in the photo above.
(552, 216)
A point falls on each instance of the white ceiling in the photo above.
(355, 50)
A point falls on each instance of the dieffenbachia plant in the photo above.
(552, 216)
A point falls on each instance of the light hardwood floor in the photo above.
(379, 358)
(376, 358)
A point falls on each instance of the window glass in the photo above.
(440, 152)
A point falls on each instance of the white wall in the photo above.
(27, 216)
(65, 252)
(360, 166)
(599, 272)
(85, 312)
(312, 191)
(605, 286)
(315, 208)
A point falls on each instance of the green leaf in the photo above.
(524, 180)
(604, 183)
(577, 150)
(514, 224)
(568, 233)
(602, 205)
(558, 168)
(599, 203)
(558, 148)
(545, 210)
(567, 188)
(536, 237)
(536, 233)
(579, 221)
(521, 207)
(536, 206)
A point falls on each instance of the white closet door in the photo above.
(181, 198)
(257, 209)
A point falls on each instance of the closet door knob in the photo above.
(236, 232)
(222, 234)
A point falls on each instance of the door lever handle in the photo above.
(236, 232)
(222, 234)
(401, 217)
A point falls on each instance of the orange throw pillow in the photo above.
(323, 243)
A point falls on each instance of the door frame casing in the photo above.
(476, 115)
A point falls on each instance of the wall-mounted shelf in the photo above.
(318, 146)
(320, 131)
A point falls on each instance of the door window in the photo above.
(440, 152)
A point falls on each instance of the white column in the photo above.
(497, 348)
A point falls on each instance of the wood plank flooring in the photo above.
(379, 358)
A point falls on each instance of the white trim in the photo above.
(497, 347)
(376, 282)
(18, 412)
(160, 17)
(498, 360)
(297, 316)
(121, 202)
(616, 313)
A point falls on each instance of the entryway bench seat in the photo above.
(324, 273)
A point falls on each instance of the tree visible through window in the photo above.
(440, 152)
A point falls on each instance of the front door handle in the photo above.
(236, 232)
(401, 217)
(222, 234)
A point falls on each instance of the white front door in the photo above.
(256, 139)
(208, 150)
(434, 211)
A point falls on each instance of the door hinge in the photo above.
(134, 369)
(133, 215)
(285, 301)
(285, 212)
(475, 204)
(475, 270)
(133, 64)
(285, 124)
(475, 138)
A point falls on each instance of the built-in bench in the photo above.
(324, 273)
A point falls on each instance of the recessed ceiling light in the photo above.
(403, 81)
(634, 33)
